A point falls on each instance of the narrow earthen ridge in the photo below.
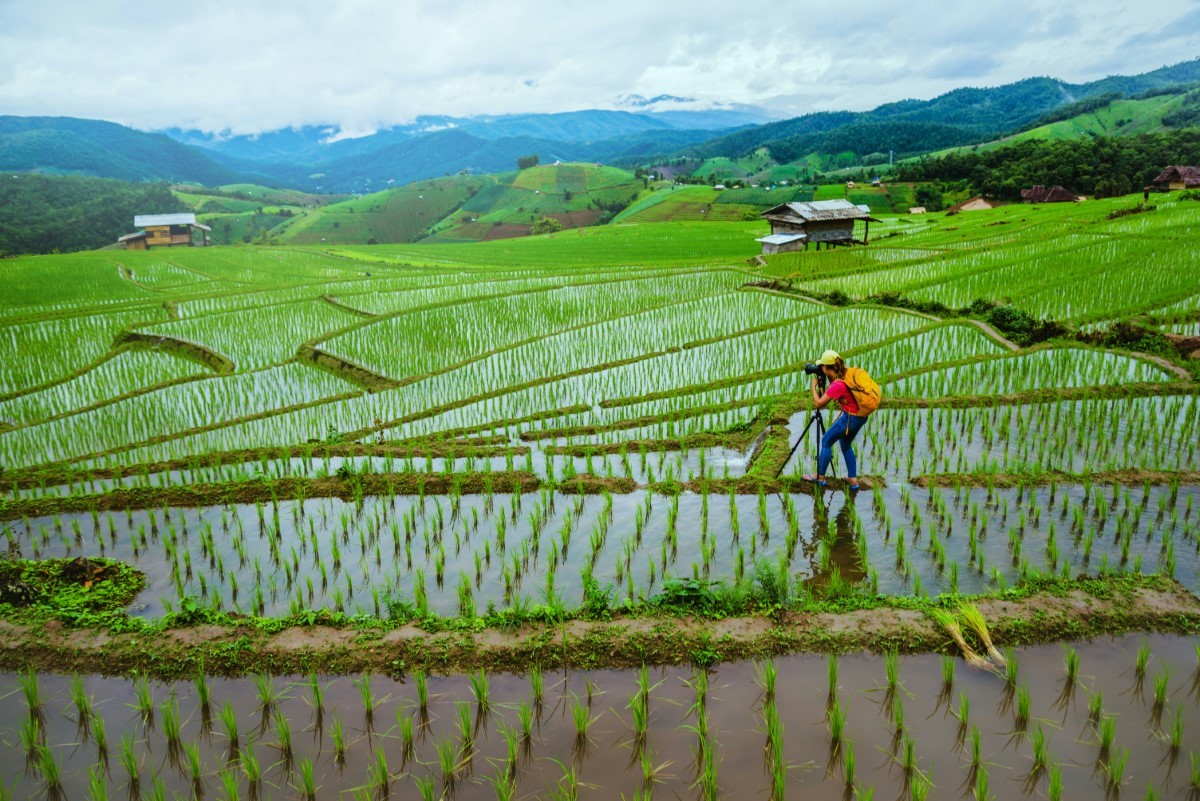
(190, 350)
(346, 369)
(240, 647)
(994, 335)
(337, 304)
(1131, 477)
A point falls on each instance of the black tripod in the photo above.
(819, 419)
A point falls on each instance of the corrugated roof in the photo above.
(128, 237)
(781, 239)
(146, 220)
(821, 210)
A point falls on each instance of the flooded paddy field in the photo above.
(1109, 718)
(458, 555)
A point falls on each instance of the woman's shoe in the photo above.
(813, 479)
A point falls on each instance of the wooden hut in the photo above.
(165, 230)
(796, 225)
(1040, 194)
(1177, 178)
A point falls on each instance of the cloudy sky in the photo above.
(361, 64)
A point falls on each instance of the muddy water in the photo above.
(605, 762)
(327, 553)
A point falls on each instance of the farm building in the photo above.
(1040, 194)
(1178, 178)
(916, 210)
(165, 230)
(797, 225)
(974, 204)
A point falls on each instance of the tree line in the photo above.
(1102, 167)
(45, 213)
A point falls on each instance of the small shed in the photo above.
(820, 221)
(782, 243)
(916, 209)
(166, 230)
(1178, 178)
(1040, 194)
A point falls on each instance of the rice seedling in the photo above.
(422, 684)
(307, 785)
(480, 689)
(380, 776)
(81, 701)
(128, 757)
(950, 624)
(337, 736)
(363, 684)
(766, 674)
(97, 786)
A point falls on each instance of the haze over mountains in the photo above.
(326, 159)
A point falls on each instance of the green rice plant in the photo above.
(379, 775)
(422, 684)
(766, 674)
(31, 736)
(1194, 771)
(228, 716)
(307, 785)
(143, 700)
(447, 755)
(426, 788)
(1023, 707)
(268, 694)
(1041, 752)
(837, 724)
(283, 738)
(203, 691)
(337, 736)
(30, 690)
(849, 762)
(982, 791)
(1095, 707)
(128, 757)
(1177, 729)
(171, 723)
(1071, 662)
(832, 672)
(1012, 669)
(251, 768)
(479, 688)
(976, 748)
(1162, 681)
(404, 722)
(525, 719)
(51, 772)
(891, 670)
(81, 701)
(948, 668)
(1115, 767)
(1108, 734)
(1054, 782)
(964, 708)
(191, 753)
(536, 686)
(897, 712)
(368, 698)
(100, 738)
(1143, 657)
(97, 784)
(316, 693)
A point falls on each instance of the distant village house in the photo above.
(1055, 194)
(1178, 178)
(165, 230)
(794, 226)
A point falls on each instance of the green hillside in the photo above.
(395, 215)
(576, 195)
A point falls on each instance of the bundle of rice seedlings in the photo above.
(971, 615)
(947, 621)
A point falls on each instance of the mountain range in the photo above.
(644, 131)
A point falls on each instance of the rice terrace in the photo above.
(521, 518)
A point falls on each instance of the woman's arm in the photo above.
(819, 401)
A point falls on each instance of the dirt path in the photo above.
(994, 334)
(1071, 612)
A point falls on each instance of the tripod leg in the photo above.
(816, 418)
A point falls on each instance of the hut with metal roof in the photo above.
(1055, 194)
(165, 230)
(829, 222)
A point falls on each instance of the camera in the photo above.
(815, 370)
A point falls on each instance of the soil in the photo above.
(1128, 477)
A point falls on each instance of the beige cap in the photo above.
(828, 357)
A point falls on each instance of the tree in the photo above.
(930, 197)
(546, 225)
(525, 162)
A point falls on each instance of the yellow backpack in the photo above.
(865, 390)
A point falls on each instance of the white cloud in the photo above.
(363, 64)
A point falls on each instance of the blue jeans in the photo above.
(843, 431)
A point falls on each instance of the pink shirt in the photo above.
(839, 392)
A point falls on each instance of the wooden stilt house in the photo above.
(831, 222)
(165, 230)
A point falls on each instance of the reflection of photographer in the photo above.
(857, 395)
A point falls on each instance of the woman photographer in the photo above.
(846, 427)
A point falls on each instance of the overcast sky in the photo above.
(252, 66)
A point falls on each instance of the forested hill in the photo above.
(41, 213)
(962, 116)
(65, 145)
